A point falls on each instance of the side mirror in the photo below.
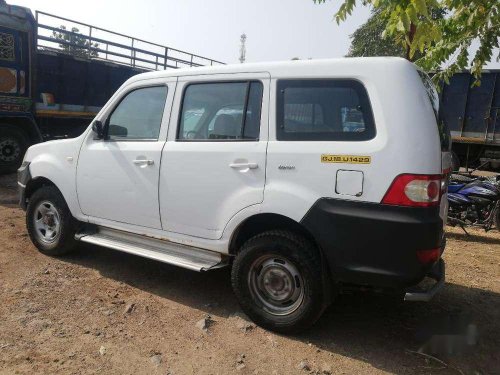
(118, 131)
(98, 129)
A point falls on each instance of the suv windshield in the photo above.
(444, 131)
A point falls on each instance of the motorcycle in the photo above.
(474, 202)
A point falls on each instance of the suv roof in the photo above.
(303, 68)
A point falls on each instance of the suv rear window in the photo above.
(323, 110)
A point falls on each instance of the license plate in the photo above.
(346, 159)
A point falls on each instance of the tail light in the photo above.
(414, 190)
(428, 256)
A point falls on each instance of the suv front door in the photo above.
(214, 161)
(117, 177)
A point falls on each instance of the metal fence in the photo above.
(60, 34)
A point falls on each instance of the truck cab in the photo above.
(17, 38)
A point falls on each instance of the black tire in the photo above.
(295, 251)
(63, 241)
(461, 178)
(13, 145)
(455, 162)
(497, 219)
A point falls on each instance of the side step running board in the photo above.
(164, 251)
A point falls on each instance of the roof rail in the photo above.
(96, 42)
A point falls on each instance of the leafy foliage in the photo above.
(80, 45)
(446, 41)
(369, 40)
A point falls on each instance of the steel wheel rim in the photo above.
(276, 284)
(47, 222)
(10, 150)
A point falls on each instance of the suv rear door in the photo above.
(213, 164)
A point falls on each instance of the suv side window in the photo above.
(138, 115)
(323, 110)
(221, 111)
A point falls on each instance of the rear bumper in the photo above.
(424, 295)
(374, 244)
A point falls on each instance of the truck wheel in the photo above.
(455, 162)
(50, 224)
(277, 280)
(13, 144)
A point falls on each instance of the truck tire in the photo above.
(13, 144)
(276, 277)
(455, 162)
(51, 226)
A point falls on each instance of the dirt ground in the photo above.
(100, 311)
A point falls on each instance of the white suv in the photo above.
(305, 177)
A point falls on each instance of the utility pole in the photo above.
(243, 48)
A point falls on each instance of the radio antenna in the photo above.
(243, 48)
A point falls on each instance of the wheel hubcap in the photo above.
(47, 222)
(10, 150)
(276, 284)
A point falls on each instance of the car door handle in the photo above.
(143, 161)
(244, 165)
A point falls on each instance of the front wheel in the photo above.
(277, 278)
(51, 226)
(13, 144)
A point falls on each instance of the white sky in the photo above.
(275, 29)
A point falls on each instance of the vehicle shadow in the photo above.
(375, 329)
(475, 236)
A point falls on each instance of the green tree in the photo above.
(446, 41)
(81, 45)
(368, 39)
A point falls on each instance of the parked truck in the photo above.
(56, 73)
(472, 113)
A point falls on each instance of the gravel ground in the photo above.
(100, 311)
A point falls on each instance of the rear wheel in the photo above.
(277, 278)
(13, 144)
(50, 224)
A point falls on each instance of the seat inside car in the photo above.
(225, 127)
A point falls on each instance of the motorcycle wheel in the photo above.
(461, 178)
(497, 219)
